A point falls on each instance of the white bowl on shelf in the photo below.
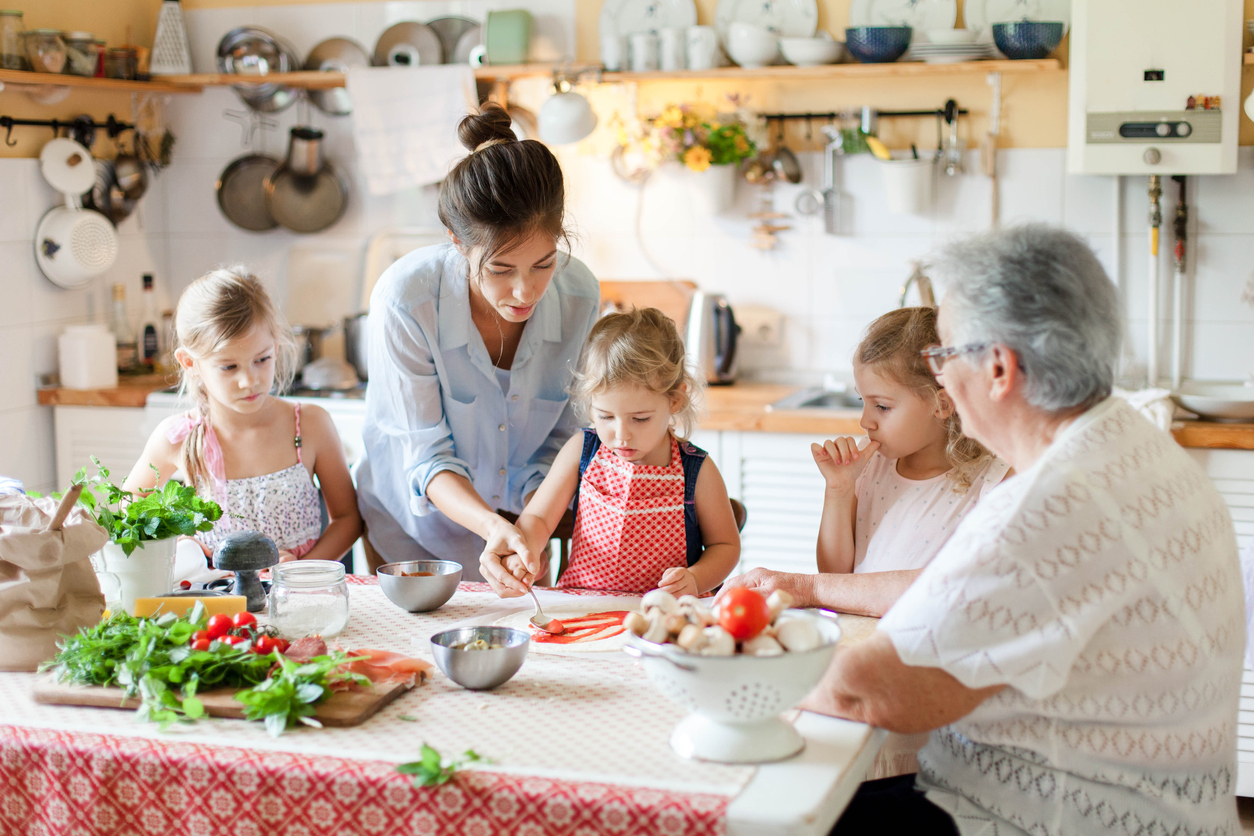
(951, 36)
(735, 702)
(1227, 402)
(811, 52)
(751, 46)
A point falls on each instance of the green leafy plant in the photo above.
(131, 519)
(431, 769)
(152, 658)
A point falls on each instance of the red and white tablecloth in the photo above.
(579, 745)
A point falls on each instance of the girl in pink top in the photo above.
(254, 454)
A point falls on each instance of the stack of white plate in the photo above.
(947, 53)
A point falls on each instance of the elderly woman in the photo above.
(1076, 646)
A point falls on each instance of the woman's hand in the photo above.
(841, 462)
(766, 581)
(678, 580)
(506, 544)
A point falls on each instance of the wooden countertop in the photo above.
(738, 407)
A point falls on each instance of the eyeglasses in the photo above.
(936, 355)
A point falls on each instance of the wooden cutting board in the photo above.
(344, 708)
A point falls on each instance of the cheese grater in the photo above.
(170, 52)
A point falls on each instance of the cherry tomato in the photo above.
(743, 613)
(234, 640)
(200, 644)
(264, 645)
(201, 634)
(243, 619)
(281, 645)
(219, 625)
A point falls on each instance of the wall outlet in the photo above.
(759, 326)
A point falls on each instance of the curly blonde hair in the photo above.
(892, 344)
(221, 306)
(640, 346)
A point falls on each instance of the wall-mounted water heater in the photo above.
(1155, 86)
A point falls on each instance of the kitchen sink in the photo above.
(818, 397)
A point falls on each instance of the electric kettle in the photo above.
(711, 338)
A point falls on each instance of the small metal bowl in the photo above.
(419, 594)
(480, 670)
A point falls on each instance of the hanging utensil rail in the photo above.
(948, 112)
(112, 125)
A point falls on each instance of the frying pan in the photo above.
(241, 192)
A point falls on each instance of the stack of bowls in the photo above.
(877, 44)
(1027, 39)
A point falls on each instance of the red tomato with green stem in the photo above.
(743, 613)
(264, 645)
(219, 625)
(243, 619)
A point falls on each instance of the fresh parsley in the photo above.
(432, 770)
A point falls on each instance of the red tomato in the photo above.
(200, 644)
(281, 645)
(243, 619)
(743, 613)
(234, 640)
(264, 645)
(219, 625)
(201, 634)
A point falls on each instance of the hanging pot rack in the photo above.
(112, 126)
(949, 111)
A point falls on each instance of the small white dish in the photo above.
(751, 46)
(811, 52)
(951, 36)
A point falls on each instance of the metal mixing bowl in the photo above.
(480, 670)
(419, 594)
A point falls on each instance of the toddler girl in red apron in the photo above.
(651, 509)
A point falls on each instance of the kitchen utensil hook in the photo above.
(809, 128)
(7, 124)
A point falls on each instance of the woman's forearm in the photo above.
(458, 500)
(835, 549)
(870, 593)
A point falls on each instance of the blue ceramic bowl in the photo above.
(877, 44)
(1027, 38)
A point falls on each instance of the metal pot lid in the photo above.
(335, 55)
(451, 30)
(106, 196)
(306, 204)
(242, 194)
(408, 44)
(255, 52)
(470, 40)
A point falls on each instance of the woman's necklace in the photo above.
(477, 312)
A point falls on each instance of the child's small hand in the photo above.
(286, 556)
(518, 568)
(678, 580)
(841, 462)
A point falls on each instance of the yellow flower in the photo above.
(715, 125)
(742, 144)
(672, 117)
(697, 158)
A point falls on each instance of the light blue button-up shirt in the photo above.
(434, 401)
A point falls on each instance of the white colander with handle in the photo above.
(735, 702)
(72, 245)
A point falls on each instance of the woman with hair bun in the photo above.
(472, 346)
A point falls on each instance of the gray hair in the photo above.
(1041, 291)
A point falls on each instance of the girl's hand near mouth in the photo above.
(841, 462)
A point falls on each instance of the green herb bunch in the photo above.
(151, 658)
(130, 519)
(432, 769)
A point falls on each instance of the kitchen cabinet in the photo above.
(115, 435)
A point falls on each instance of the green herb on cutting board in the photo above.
(152, 659)
(131, 519)
(432, 769)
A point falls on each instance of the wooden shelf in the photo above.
(316, 80)
(835, 71)
(155, 86)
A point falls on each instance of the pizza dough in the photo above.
(594, 627)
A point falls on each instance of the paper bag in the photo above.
(48, 587)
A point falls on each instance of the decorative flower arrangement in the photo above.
(696, 135)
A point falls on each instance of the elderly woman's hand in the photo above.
(766, 581)
(507, 550)
(841, 462)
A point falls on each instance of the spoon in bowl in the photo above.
(542, 622)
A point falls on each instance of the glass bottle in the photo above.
(149, 327)
(308, 598)
(12, 42)
(123, 332)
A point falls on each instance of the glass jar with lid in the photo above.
(121, 62)
(308, 598)
(80, 53)
(45, 50)
(12, 42)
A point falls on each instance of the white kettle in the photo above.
(711, 338)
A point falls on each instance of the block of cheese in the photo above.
(214, 604)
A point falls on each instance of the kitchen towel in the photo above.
(405, 122)
(1154, 404)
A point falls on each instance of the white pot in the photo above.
(709, 192)
(908, 185)
(147, 573)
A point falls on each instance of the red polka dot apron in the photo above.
(629, 524)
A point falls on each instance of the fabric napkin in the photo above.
(1154, 404)
(405, 122)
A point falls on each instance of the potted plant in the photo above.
(695, 145)
(144, 529)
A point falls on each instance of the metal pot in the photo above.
(309, 342)
(355, 348)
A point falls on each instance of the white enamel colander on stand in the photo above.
(735, 702)
(72, 245)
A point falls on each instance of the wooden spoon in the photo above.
(67, 505)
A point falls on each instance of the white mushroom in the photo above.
(691, 639)
(777, 602)
(661, 599)
(762, 645)
(798, 634)
(675, 622)
(657, 632)
(718, 642)
(636, 624)
(685, 601)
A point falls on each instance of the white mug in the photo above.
(702, 47)
(644, 48)
(613, 52)
(671, 49)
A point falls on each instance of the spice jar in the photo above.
(121, 62)
(308, 598)
(100, 56)
(80, 54)
(45, 50)
(12, 42)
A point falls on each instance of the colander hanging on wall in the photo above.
(72, 245)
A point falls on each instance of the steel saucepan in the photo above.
(355, 342)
